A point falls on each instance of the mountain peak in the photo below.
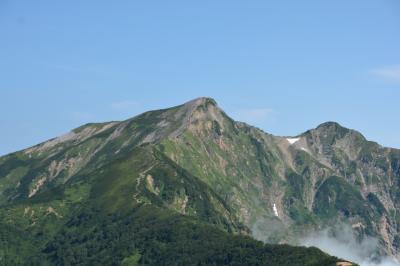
(201, 108)
(333, 130)
(329, 128)
(201, 101)
(198, 115)
(330, 125)
(334, 127)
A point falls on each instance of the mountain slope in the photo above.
(318, 178)
(200, 169)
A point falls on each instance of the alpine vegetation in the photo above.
(189, 185)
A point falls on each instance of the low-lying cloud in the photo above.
(340, 241)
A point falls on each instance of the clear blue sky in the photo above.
(284, 66)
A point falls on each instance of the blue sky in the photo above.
(284, 66)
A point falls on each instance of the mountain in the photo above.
(189, 185)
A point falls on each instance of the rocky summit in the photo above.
(189, 185)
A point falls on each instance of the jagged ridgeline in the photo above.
(190, 186)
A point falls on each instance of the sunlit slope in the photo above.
(193, 163)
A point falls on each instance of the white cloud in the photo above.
(254, 115)
(389, 73)
(343, 242)
(124, 105)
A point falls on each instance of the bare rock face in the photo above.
(195, 160)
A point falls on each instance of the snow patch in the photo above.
(292, 140)
(275, 210)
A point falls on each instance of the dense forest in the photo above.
(148, 236)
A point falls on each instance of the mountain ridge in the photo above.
(199, 101)
(194, 160)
